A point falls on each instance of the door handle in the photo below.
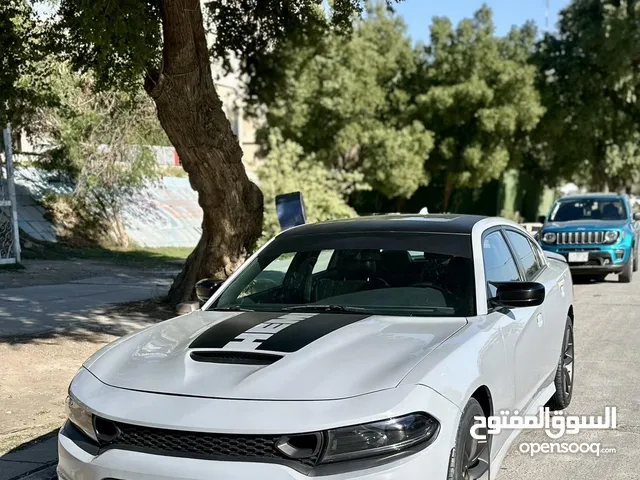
(540, 320)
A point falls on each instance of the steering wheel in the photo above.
(381, 283)
(442, 290)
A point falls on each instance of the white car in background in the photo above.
(354, 349)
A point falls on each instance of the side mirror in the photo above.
(206, 288)
(542, 219)
(636, 216)
(518, 294)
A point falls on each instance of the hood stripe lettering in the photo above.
(254, 331)
(253, 338)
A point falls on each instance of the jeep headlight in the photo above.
(549, 237)
(611, 236)
(386, 436)
(80, 417)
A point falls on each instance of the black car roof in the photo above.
(457, 224)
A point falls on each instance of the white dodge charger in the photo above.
(363, 348)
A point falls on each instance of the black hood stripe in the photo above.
(275, 332)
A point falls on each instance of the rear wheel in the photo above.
(635, 261)
(627, 274)
(470, 457)
(564, 374)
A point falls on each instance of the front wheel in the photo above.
(470, 458)
(635, 261)
(627, 274)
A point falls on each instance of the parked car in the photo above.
(597, 234)
(363, 348)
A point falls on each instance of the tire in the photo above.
(627, 274)
(470, 458)
(565, 372)
(635, 261)
(601, 278)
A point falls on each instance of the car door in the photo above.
(536, 348)
(518, 325)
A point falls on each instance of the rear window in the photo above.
(409, 274)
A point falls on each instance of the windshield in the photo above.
(588, 209)
(417, 274)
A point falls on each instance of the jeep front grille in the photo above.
(580, 238)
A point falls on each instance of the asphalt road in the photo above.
(607, 373)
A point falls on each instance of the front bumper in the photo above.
(241, 416)
(601, 260)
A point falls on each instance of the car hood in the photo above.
(585, 224)
(271, 356)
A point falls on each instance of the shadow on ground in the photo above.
(92, 325)
(37, 455)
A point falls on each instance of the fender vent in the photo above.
(235, 358)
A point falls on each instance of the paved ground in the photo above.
(607, 336)
(607, 339)
(36, 309)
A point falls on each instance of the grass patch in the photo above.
(136, 256)
(10, 267)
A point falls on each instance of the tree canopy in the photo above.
(344, 101)
(477, 93)
(590, 79)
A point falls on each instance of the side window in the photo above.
(322, 264)
(499, 265)
(524, 251)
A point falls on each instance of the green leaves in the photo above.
(344, 102)
(590, 81)
(478, 96)
(288, 169)
(23, 84)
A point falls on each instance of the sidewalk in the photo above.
(35, 310)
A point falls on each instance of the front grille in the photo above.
(212, 446)
(580, 238)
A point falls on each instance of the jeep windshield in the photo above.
(424, 274)
(588, 209)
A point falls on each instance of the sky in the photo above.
(418, 13)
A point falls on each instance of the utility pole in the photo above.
(546, 16)
(11, 189)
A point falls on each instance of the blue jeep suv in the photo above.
(596, 233)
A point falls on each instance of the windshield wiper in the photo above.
(233, 308)
(327, 308)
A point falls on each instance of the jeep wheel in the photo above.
(635, 261)
(627, 274)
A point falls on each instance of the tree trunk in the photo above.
(190, 112)
(448, 190)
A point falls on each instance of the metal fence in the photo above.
(9, 234)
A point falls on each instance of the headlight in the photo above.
(549, 237)
(80, 417)
(611, 236)
(387, 436)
